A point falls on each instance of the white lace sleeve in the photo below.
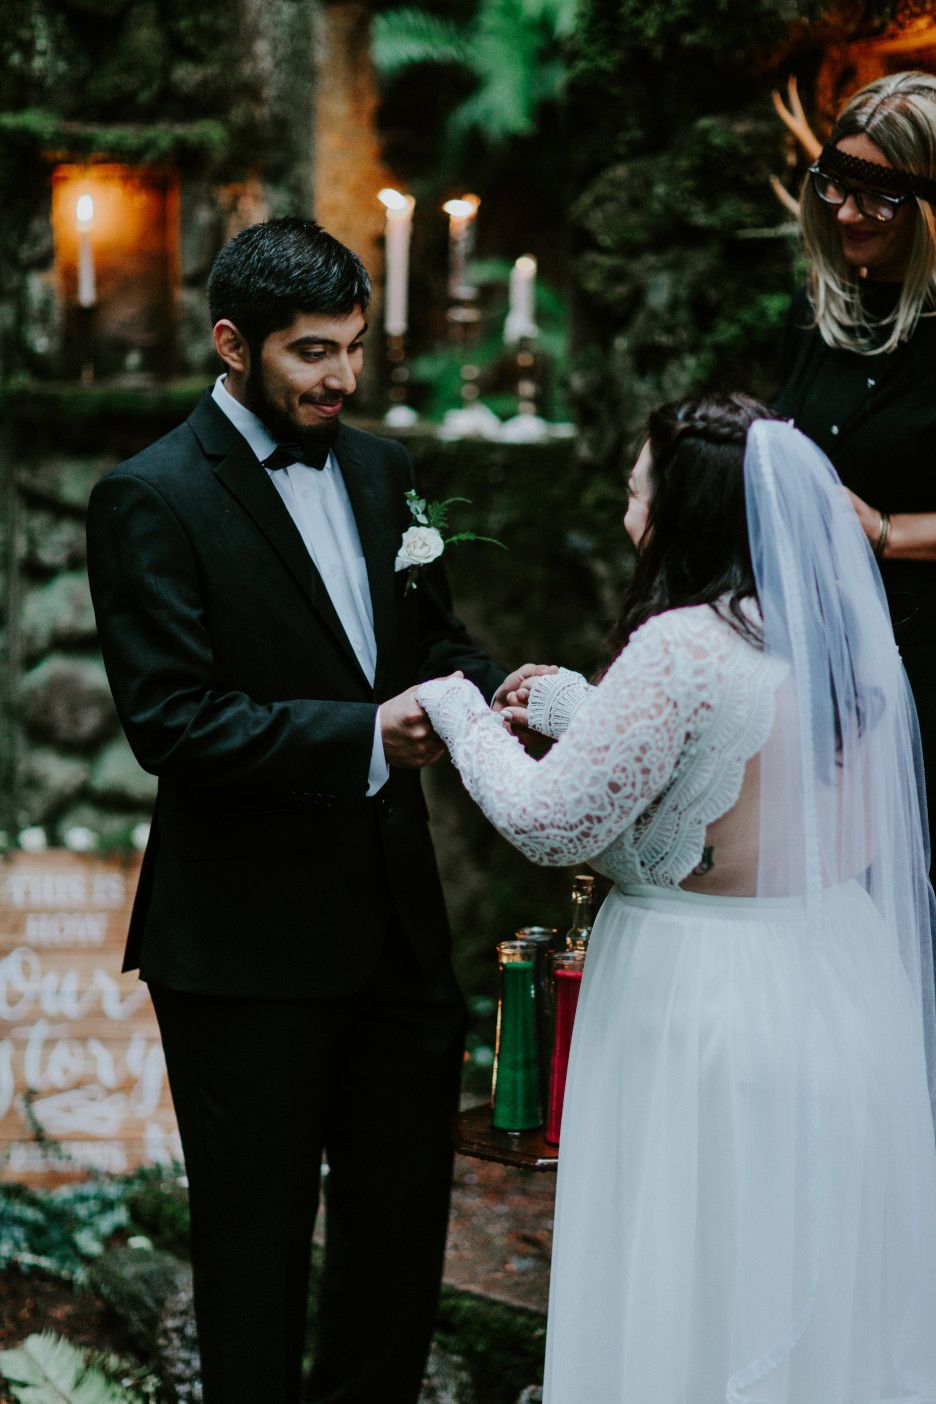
(554, 700)
(616, 757)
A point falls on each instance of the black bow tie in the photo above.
(285, 454)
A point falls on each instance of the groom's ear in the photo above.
(231, 346)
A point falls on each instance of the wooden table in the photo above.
(474, 1135)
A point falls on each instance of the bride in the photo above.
(746, 1202)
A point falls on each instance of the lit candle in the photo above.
(87, 290)
(568, 967)
(397, 245)
(521, 322)
(461, 215)
(515, 1096)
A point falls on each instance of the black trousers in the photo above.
(261, 1088)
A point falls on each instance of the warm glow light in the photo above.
(84, 210)
(463, 208)
(526, 264)
(392, 199)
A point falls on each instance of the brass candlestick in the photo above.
(400, 415)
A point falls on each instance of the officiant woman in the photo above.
(859, 352)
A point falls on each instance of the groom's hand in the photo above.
(514, 692)
(506, 694)
(409, 741)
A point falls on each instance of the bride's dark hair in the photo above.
(695, 547)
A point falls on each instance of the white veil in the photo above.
(843, 825)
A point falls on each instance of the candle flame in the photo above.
(464, 208)
(526, 263)
(392, 198)
(84, 210)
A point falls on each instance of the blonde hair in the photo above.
(898, 114)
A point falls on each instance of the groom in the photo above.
(263, 655)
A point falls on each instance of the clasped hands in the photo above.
(409, 740)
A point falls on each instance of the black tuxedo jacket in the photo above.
(268, 873)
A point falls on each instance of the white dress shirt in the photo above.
(318, 502)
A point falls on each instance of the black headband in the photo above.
(885, 178)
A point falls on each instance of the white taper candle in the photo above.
(397, 246)
(521, 319)
(87, 286)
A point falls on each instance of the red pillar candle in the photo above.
(567, 968)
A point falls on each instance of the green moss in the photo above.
(151, 144)
(157, 1204)
(32, 402)
(726, 27)
(502, 1345)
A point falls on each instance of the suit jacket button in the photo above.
(331, 801)
(385, 806)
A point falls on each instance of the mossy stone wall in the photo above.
(219, 92)
(683, 259)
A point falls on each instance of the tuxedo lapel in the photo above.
(242, 476)
(370, 490)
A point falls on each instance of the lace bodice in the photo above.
(648, 759)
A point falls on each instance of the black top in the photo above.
(875, 417)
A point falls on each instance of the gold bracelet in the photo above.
(884, 533)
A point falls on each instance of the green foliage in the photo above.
(609, 31)
(728, 27)
(405, 37)
(46, 1369)
(502, 1346)
(149, 145)
(122, 60)
(436, 515)
(59, 1231)
(436, 375)
(35, 403)
(753, 329)
(511, 48)
(138, 1282)
(157, 1202)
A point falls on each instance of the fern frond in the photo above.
(560, 14)
(473, 536)
(437, 512)
(47, 1369)
(505, 57)
(400, 38)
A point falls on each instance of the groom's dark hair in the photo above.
(268, 273)
(695, 547)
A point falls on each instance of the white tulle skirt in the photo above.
(746, 1203)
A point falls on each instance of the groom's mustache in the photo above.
(311, 399)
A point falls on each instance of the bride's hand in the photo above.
(510, 690)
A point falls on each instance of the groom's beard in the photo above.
(283, 428)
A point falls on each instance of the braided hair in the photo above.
(695, 546)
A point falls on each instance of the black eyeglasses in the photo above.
(874, 204)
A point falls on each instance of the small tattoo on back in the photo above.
(707, 864)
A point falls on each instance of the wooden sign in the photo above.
(80, 1052)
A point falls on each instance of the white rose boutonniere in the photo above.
(423, 541)
(420, 545)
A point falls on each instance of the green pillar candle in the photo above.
(516, 1097)
(544, 939)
